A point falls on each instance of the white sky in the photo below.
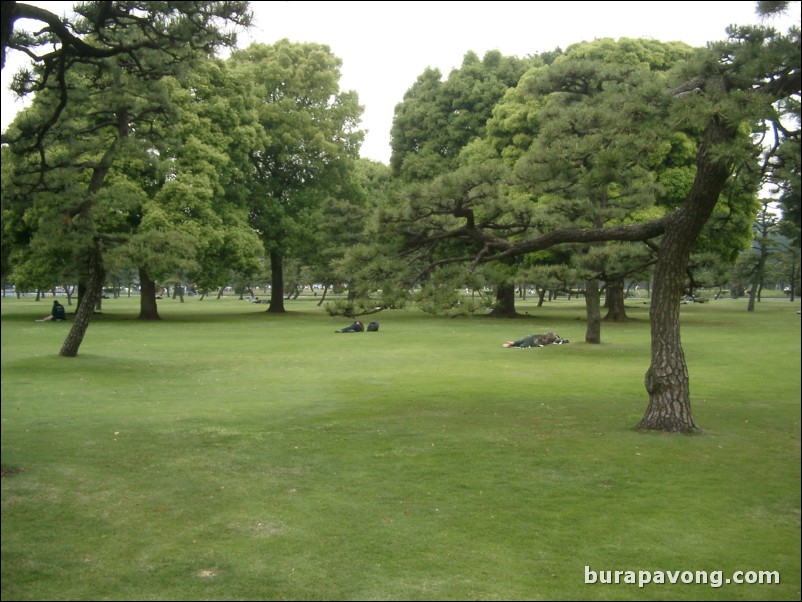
(385, 46)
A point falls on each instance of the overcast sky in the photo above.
(385, 46)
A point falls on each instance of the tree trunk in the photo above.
(277, 283)
(616, 311)
(96, 273)
(147, 297)
(82, 286)
(86, 307)
(757, 277)
(592, 311)
(667, 380)
(505, 302)
(750, 306)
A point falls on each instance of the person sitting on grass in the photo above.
(355, 327)
(57, 314)
(536, 340)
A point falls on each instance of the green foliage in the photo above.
(129, 186)
(598, 123)
(634, 53)
(450, 292)
(437, 119)
(786, 172)
(580, 142)
(303, 152)
(451, 303)
(337, 228)
(354, 308)
(163, 253)
(603, 135)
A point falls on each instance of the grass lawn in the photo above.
(227, 453)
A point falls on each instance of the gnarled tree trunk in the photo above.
(667, 379)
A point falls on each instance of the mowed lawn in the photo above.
(228, 453)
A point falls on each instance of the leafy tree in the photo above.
(783, 164)
(124, 178)
(597, 147)
(721, 93)
(766, 230)
(342, 230)
(580, 158)
(416, 230)
(204, 195)
(93, 122)
(308, 139)
(438, 120)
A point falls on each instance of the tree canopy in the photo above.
(718, 96)
(307, 143)
(91, 151)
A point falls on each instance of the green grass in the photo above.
(227, 453)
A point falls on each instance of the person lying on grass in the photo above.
(536, 340)
(355, 327)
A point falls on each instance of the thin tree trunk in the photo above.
(592, 311)
(757, 278)
(750, 305)
(277, 283)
